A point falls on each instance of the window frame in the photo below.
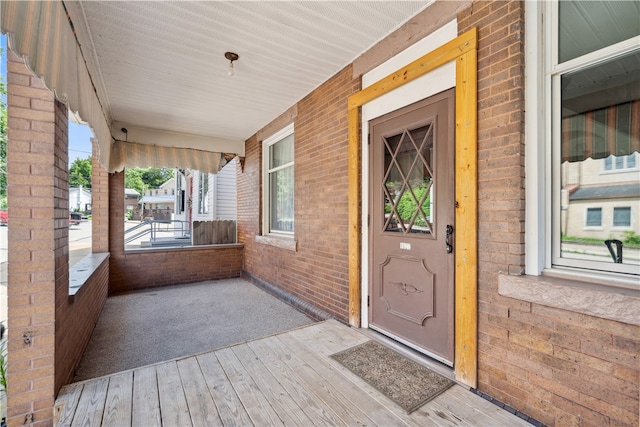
(628, 224)
(542, 129)
(203, 196)
(266, 181)
(588, 226)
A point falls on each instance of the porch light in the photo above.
(231, 57)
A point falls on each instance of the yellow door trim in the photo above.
(463, 50)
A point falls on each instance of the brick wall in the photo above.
(58, 327)
(318, 271)
(559, 367)
(37, 240)
(76, 316)
(150, 268)
(99, 203)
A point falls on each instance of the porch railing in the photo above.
(158, 231)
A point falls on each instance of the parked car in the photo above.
(4, 218)
(75, 218)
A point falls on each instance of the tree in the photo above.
(155, 177)
(141, 179)
(80, 173)
(133, 179)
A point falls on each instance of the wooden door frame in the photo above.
(463, 50)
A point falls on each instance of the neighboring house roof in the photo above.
(130, 192)
(170, 183)
(158, 199)
(606, 192)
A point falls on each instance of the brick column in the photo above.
(116, 229)
(38, 241)
(99, 204)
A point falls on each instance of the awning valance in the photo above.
(43, 34)
(614, 130)
(40, 33)
(131, 154)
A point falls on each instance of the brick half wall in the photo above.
(147, 268)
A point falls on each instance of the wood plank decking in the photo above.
(284, 379)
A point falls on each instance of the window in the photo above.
(203, 193)
(620, 163)
(278, 187)
(622, 217)
(588, 67)
(594, 217)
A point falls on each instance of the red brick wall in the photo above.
(149, 268)
(37, 161)
(559, 367)
(38, 283)
(318, 271)
(75, 320)
(76, 316)
(99, 204)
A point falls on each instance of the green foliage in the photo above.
(631, 238)
(133, 179)
(141, 179)
(80, 173)
(155, 177)
(408, 206)
(566, 238)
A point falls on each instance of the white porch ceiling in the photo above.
(161, 65)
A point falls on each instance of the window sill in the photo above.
(82, 271)
(287, 243)
(590, 294)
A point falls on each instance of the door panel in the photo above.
(412, 212)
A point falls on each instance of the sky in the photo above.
(79, 135)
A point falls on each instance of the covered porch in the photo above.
(287, 378)
(293, 90)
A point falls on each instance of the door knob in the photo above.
(447, 239)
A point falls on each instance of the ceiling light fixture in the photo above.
(231, 57)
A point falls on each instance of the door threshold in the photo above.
(411, 354)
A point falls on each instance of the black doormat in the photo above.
(404, 381)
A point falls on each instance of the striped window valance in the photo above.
(614, 130)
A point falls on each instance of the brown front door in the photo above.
(411, 232)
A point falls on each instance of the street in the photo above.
(79, 246)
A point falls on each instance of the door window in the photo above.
(409, 181)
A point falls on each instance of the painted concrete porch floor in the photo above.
(283, 379)
(150, 326)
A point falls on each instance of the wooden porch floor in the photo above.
(284, 379)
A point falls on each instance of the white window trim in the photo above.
(266, 143)
(540, 196)
(196, 198)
